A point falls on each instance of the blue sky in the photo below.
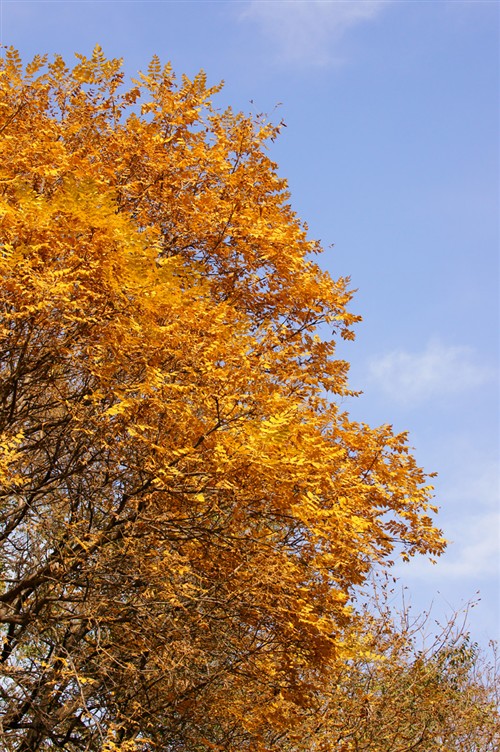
(391, 152)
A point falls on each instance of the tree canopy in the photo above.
(186, 509)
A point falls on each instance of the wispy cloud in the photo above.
(473, 552)
(475, 534)
(479, 553)
(309, 31)
(470, 517)
(439, 370)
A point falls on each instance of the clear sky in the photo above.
(391, 152)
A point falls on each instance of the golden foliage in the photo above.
(185, 509)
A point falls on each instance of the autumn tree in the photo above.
(185, 507)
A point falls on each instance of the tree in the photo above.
(185, 507)
(413, 690)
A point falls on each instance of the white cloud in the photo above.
(438, 371)
(470, 517)
(479, 553)
(473, 553)
(306, 31)
(474, 482)
(474, 550)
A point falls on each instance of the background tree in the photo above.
(414, 689)
(185, 508)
